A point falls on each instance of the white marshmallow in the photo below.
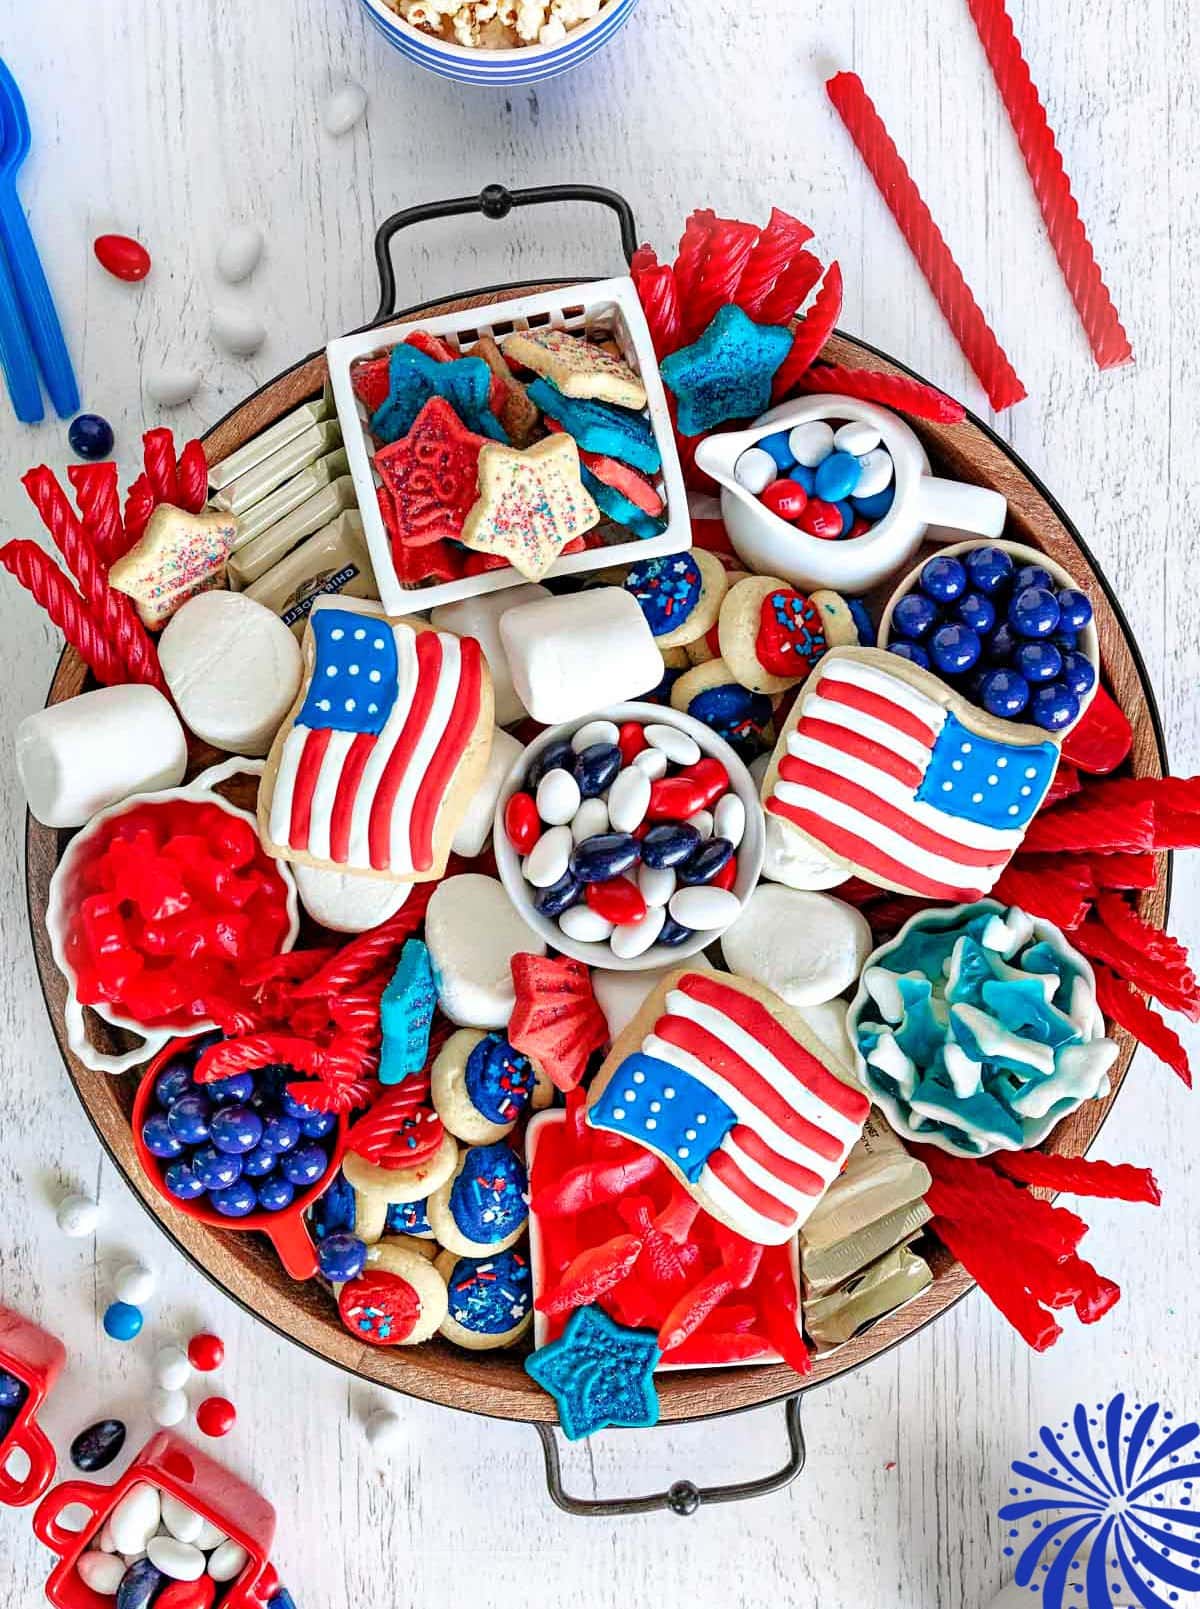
(79, 757)
(473, 932)
(807, 947)
(827, 1019)
(233, 668)
(479, 617)
(570, 654)
(789, 857)
(346, 903)
(475, 828)
(621, 995)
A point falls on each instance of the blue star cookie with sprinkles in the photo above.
(600, 427)
(481, 1086)
(414, 377)
(484, 1207)
(727, 373)
(406, 1014)
(600, 1374)
(490, 1298)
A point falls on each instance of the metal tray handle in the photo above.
(493, 201)
(684, 1497)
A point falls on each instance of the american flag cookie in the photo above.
(490, 1298)
(481, 1086)
(389, 737)
(377, 1190)
(578, 367)
(177, 555)
(400, 1297)
(884, 767)
(531, 504)
(736, 1094)
(485, 1206)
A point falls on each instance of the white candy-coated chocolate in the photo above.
(346, 903)
(87, 753)
(103, 1572)
(807, 947)
(135, 1519)
(180, 1560)
(595, 732)
(653, 762)
(227, 1561)
(811, 443)
(568, 654)
(77, 1217)
(238, 330)
(211, 1536)
(628, 799)
(729, 818)
(676, 745)
(558, 797)
(239, 253)
(475, 828)
(134, 1283)
(168, 1408)
(473, 932)
(635, 938)
(479, 617)
(172, 385)
(385, 1432)
(182, 1522)
(704, 908)
(657, 883)
(876, 472)
(172, 1368)
(585, 925)
(755, 470)
(591, 818)
(547, 861)
(788, 857)
(703, 823)
(855, 437)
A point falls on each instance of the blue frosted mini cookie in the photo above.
(680, 595)
(490, 1298)
(481, 1086)
(710, 693)
(484, 1208)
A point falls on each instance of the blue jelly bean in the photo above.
(943, 579)
(1078, 673)
(258, 1163)
(90, 436)
(1000, 646)
(954, 649)
(12, 1392)
(911, 651)
(140, 1585)
(231, 1091)
(275, 1193)
(188, 1118)
(706, 862)
(596, 767)
(559, 897)
(976, 610)
(280, 1133)
(96, 1447)
(122, 1321)
(158, 1137)
(236, 1201)
(318, 1124)
(837, 476)
(603, 856)
(914, 616)
(293, 1107)
(1053, 706)
(672, 933)
(1075, 611)
(777, 446)
(174, 1080)
(341, 1257)
(1033, 575)
(182, 1182)
(1003, 693)
(215, 1169)
(305, 1165)
(1033, 612)
(557, 755)
(669, 844)
(989, 569)
(1037, 661)
(847, 513)
(236, 1129)
(803, 476)
(877, 505)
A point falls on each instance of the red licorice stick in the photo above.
(1126, 1007)
(895, 184)
(364, 954)
(1119, 917)
(1102, 737)
(812, 332)
(99, 499)
(889, 390)
(192, 477)
(140, 503)
(244, 1055)
(660, 301)
(592, 1273)
(1096, 1293)
(158, 451)
(1092, 824)
(693, 245)
(772, 263)
(991, 1267)
(1108, 341)
(50, 589)
(1180, 794)
(1168, 988)
(1066, 783)
(1112, 1181)
(336, 1098)
(971, 1193)
(729, 247)
(1045, 894)
(594, 1184)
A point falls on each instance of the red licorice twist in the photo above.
(50, 589)
(99, 499)
(158, 450)
(192, 475)
(888, 390)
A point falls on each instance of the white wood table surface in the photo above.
(170, 122)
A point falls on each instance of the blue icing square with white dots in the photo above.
(355, 669)
(666, 1110)
(996, 784)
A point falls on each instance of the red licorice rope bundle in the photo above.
(1111, 1181)
(363, 955)
(158, 448)
(812, 332)
(730, 245)
(693, 245)
(51, 590)
(774, 268)
(99, 499)
(192, 477)
(888, 390)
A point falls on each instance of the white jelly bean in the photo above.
(653, 762)
(595, 732)
(385, 1432)
(729, 818)
(227, 1561)
(104, 1541)
(344, 108)
(134, 1283)
(856, 437)
(585, 925)
(183, 1522)
(755, 470)
(557, 797)
(635, 938)
(168, 1408)
(703, 823)
(135, 1519)
(238, 330)
(704, 907)
(628, 799)
(77, 1216)
(210, 1537)
(676, 745)
(875, 473)
(180, 1560)
(591, 818)
(547, 860)
(811, 443)
(657, 883)
(103, 1572)
(239, 252)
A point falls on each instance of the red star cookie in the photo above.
(431, 475)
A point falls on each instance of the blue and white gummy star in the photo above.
(727, 373)
(600, 1374)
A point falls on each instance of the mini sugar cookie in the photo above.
(483, 1209)
(473, 930)
(346, 902)
(844, 621)
(579, 368)
(490, 1298)
(770, 635)
(232, 668)
(176, 556)
(679, 594)
(374, 767)
(481, 1086)
(792, 859)
(884, 767)
(807, 948)
(376, 1189)
(531, 504)
(399, 1299)
(684, 1080)
(516, 412)
(711, 693)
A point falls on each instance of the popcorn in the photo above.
(498, 24)
(530, 16)
(466, 26)
(551, 31)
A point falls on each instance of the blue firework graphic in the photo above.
(1105, 1515)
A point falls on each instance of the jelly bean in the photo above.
(230, 1558)
(522, 822)
(727, 876)
(102, 1572)
(875, 471)
(785, 498)
(595, 732)
(674, 933)
(635, 938)
(837, 476)
(755, 470)
(592, 815)
(553, 756)
(811, 443)
(703, 822)
(90, 436)
(1075, 611)
(1037, 661)
(876, 507)
(182, 1182)
(139, 1586)
(547, 861)
(122, 1321)
(595, 769)
(857, 437)
(1033, 575)
(729, 819)
(181, 1561)
(943, 579)
(1053, 706)
(585, 926)
(653, 762)
(914, 616)
(96, 1447)
(803, 476)
(704, 908)
(188, 1118)
(988, 568)
(711, 777)
(657, 884)
(598, 859)
(305, 1165)
(1003, 693)
(231, 1091)
(628, 799)
(618, 901)
(632, 740)
(235, 1201)
(676, 745)
(275, 1194)
(174, 1080)
(976, 610)
(280, 1133)
(206, 1352)
(1033, 612)
(236, 1130)
(216, 1417)
(707, 862)
(558, 796)
(954, 649)
(123, 257)
(669, 845)
(822, 520)
(559, 896)
(158, 1138)
(779, 447)
(1078, 673)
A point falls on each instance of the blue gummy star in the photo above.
(599, 1373)
(414, 377)
(601, 427)
(727, 373)
(406, 1014)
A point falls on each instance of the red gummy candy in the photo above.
(787, 498)
(123, 257)
(821, 519)
(617, 900)
(522, 822)
(555, 1018)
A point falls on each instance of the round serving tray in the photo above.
(495, 1384)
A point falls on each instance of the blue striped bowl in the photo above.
(529, 64)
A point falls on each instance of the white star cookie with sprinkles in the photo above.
(531, 504)
(578, 368)
(176, 556)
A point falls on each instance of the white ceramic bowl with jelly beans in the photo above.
(629, 839)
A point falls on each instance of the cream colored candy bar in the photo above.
(290, 495)
(828, 1267)
(880, 1176)
(262, 446)
(335, 559)
(883, 1287)
(289, 460)
(257, 557)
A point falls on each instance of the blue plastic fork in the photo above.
(33, 294)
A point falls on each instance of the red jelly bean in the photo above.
(198, 1594)
(216, 1416)
(821, 519)
(206, 1352)
(694, 788)
(711, 777)
(617, 901)
(787, 498)
(522, 822)
(631, 741)
(124, 258)
(727, 876)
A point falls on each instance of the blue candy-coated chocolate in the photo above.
(943, 578)
(555, 757)
(122, 1321)
(912, 651)
(258, 1163)
(1000, 646)
(280, 1133)
(1053, 706)
(237, 1201)
(96, 1447)
(706, 862)
(667, 590)
(305, 1165)
(140, 1585)
(1078, 673)
(174, 1080)
(231, 1091)
(498, 1079)
(1003, 693)
(341, 1257)
(318, 1125)
(837, 476)
(803, 476)
(596, 768)
(914, 616)
(780, 450)
(236, 1129)
(488, 1197)
(182, 1182)
(8, 1418)
(976, 610)
(1065, 641)
(1033, 612)
(600, 427)
(848, 516)
(274, 1194)
(1075, 610)
(491, 1295)
(989, 569)
(216, 1170)
(281, 1598)
(672, 933)
(1032, 575)
(293, 1107)
(603, 856)
(188, 1117)
(90, 436)
(877, 505)
(863, 623)
(954, 649)
(559, 897)
(334, 1211)
(669, 844)
(12, 1391)
(726, 374)
(158, 1137)
(1037, 661)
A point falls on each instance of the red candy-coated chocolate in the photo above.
(379, 1307)
(631, 740)
(787, 498)
(821, 519)
(123, 257)
(617, 901)
(522, 822)
(216, 1416)
(206, 1352)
